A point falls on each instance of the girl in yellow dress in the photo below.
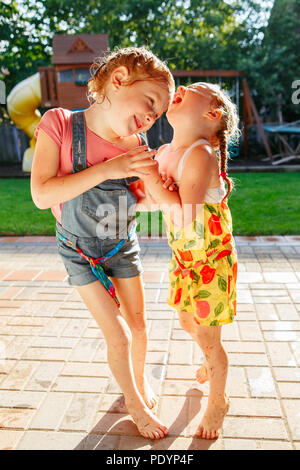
(203, 268)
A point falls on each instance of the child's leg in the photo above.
(130, 292)
(209, 339)
(187, 322)
(118, 338)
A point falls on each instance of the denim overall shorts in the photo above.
(96, 221)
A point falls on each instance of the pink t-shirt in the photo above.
(57, 124)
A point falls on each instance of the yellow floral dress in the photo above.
(203, 268)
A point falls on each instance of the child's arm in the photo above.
(48, 189)
(195, 179)
(147, 204)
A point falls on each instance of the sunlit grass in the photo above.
(261, 204)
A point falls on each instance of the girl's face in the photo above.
(134, 108)
(194, 101)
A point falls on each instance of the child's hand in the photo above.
(135, 162)
(168, 182)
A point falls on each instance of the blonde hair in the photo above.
(141, 63)
(228, 128)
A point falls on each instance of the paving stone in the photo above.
(250, 331)
(280, 354)
(240, 359)
(291, 408)
(75, 328)
(6, 365)
(20, 399)
(80, 413)
(173, 412)
(51, 411)
(279, 277)
(44, 376)
(289, 389)
(134, 443)
(100, 442)
(47, 354)
(19, 376)
(267, 407)
(156, 357)
(188, 444)
(287, 374)
(244, 347)
(80, 384)
(295, 348)
(114, 423)
(261, 382)
(244, 444)
(181, 372)
(47, 440)
(9, 439)
(257, 428)
(55, 327)
(285, 336)
(154, 345)
(11, 418)
(181, 352)
(16, 348)
(83, 369)
(85, 350)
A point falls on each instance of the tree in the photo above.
(188, 34)
(275, 65)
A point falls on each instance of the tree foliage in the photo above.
(188, 34)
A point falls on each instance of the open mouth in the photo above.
(138, 123)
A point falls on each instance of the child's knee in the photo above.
(186, 323)
(208, 343)
(121, 340)
(138, 325)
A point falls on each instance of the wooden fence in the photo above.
(13, 143)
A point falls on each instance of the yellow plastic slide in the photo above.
(22, 105)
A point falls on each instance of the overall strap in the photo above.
(78, 141)
(186, 153)
(143, 138)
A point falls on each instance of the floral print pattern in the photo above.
(203, 267)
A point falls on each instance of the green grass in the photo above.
(261, 204)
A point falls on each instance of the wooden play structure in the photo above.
(63, 85)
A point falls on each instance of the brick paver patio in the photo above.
(56, 390)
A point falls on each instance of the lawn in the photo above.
(261, 204)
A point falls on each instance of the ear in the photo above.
(118, 76)
(214, 114)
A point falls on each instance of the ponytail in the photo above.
(223, 158)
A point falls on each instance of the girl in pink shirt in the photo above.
(83, 166)
(57, 124)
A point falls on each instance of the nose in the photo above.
(151, 117)
(181, 89)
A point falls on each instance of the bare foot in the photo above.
(148, 425)
(147, 393)
(202, 374)
(213, 419)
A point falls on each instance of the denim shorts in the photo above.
(124, 264)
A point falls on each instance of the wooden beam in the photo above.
(245, 111)
(207, 73)
(258, 121)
